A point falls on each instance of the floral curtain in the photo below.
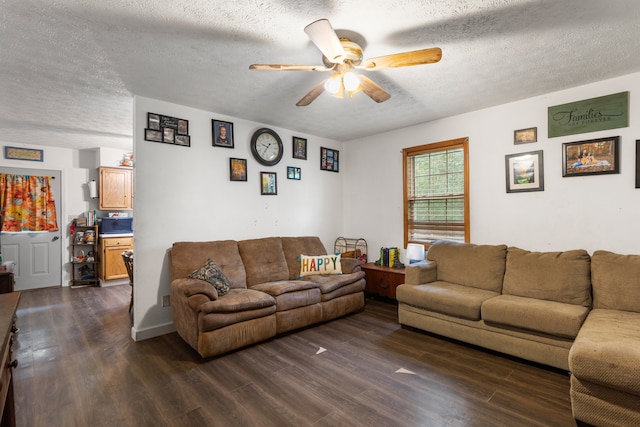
(27, 203)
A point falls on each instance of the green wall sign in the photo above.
(589, 115)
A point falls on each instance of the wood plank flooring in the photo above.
(79, 367)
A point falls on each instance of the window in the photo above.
(436, 192)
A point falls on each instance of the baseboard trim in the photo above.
(155, 331)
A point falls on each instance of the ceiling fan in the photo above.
(342, 56)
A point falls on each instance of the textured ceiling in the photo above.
(69, 68)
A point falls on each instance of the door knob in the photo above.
(55, 238)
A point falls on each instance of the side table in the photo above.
(382, 281)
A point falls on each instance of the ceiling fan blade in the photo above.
(311, 96)
(405, 59)
(288, 67)
(325, 38)
(374, 91)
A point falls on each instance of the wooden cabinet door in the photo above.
(382, 281)
(373, 279)
(113, 267)
(116, 189)
(389, 282)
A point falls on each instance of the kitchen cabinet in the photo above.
(116, 189)
(111, 248)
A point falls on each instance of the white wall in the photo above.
(184, 194)
(77, 167)
(592, 212)
(73, 200)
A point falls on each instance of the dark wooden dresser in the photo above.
(382, 281)
(6, 282)
(8, 307)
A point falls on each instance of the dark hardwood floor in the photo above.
(79, 367)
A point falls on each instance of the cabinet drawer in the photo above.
(117, 241)
(383, 281)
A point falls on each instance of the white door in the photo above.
(37, 256)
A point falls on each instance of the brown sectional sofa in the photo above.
(266, 296)
(565, 309)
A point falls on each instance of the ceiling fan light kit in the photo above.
(351, 81)
(341, 56)
(333, 83)
(339, 82)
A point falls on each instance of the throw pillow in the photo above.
(320, 264)
(210, 272)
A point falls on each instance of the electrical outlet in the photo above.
(166, 300)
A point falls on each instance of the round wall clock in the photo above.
(266, 147)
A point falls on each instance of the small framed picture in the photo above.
(153, 121)
(592, 157)
(222, 133)
(169, 122)
(184, 140)
(237, 169)
(299, 148)
(168, 135)
(329, 160)
(167, 129)
(268, 183)
(524, 172)
(18, 153)
(293, 172)
(183, 127)
(153, 135)
(525, 136)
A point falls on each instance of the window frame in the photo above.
(431, 148)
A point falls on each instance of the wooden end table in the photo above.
(382, 281)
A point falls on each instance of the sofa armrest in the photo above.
(350, 265)
(421, 272)
(190, 287)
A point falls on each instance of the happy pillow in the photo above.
(320, 264)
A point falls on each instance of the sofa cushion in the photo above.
(294, 246)
(320, 264)
(545, 317)
(446, 298)
(237, 306)
(185, 257)
(290, 294)
(263, 260)
(211, 273)
(330, 283)
(351, 288)
(284, 286)
(553, 276)
(238, 300)
(350, 265)
(606, 350)
(616, 281)
(479, 266)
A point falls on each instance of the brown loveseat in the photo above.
(266, 297)
(538, 306)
